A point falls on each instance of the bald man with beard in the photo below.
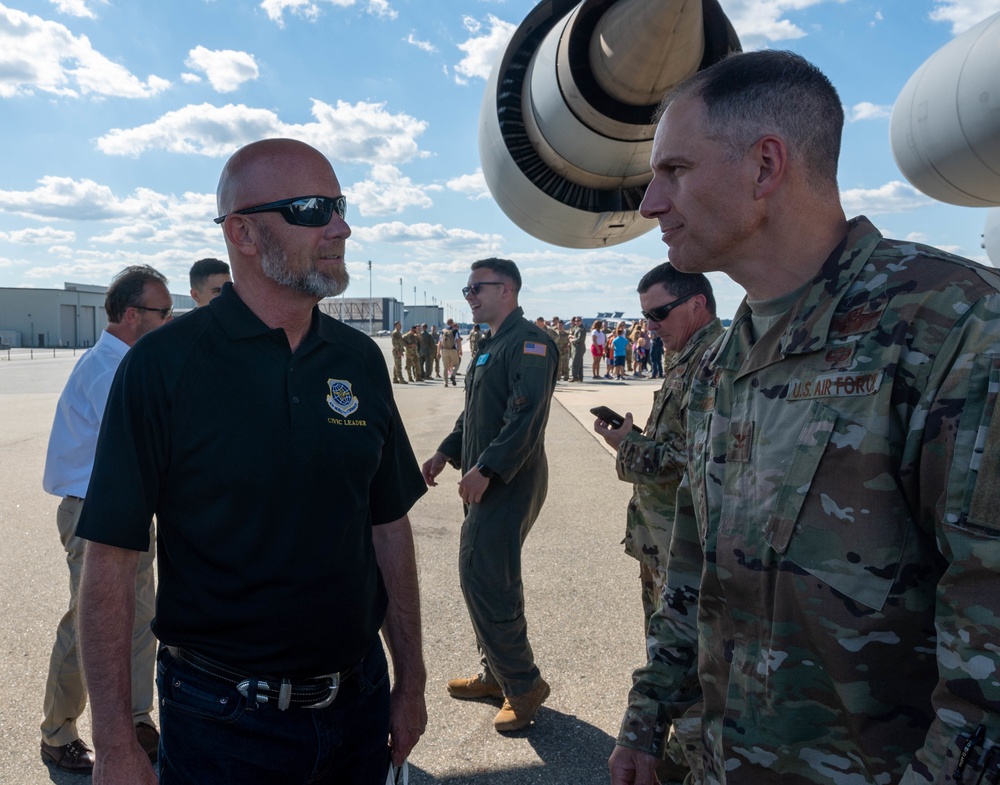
(263, 435)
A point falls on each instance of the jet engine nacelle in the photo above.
(945, 126)
(566, 127)
(991, 236)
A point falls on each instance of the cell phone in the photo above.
(612, 417)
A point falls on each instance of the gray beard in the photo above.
(274, 265)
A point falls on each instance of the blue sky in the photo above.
(117, 115)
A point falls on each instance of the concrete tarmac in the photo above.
(581, 591)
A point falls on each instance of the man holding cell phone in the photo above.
(680, 308)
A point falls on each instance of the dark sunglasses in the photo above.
(661, 312)
(163, 312)
(474, 288)
(299, 211)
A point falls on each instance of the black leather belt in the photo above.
(317, 693)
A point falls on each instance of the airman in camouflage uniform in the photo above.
(562, 344)
(474, 335)
(578, 344)
(411, 341)
(653, 461)
(682, 311)
(832, 605)
(398, 350)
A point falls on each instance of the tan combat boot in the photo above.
(519, 710)
(474, 687)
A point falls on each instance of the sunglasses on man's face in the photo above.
(299, 211)
(661, 312)
(473, 288)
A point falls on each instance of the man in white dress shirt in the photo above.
(137, 302)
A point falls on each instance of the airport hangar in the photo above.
(74, 316)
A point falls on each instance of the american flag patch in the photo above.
(533, 347)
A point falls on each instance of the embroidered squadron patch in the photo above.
(341, 398)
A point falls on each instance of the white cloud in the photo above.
(36, 54)
(39, 236)
(963, 14)
(472, 185)
(381, 9)
(81, 200)
(74, 8)
(86, 265)
(429, 240)
(310, 9)
(388, 191)
(869, 111)
(482, 49)
(427, 46)
(893, 197)
(877, 18)
(226, 69)
(189, 78)
(362, 132)
(146, 216)
(759, 22)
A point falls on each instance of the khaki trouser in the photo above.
(65, 694)
(451, 361)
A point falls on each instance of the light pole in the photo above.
(400, 292)
(371, 305)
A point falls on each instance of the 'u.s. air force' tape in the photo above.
(835, 385)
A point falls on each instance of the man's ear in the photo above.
(238, 231)
(770, 155)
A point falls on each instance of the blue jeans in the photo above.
(209, 733)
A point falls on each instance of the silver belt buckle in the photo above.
(334, 688)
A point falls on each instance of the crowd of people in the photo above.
(626, 349)
(814, 506)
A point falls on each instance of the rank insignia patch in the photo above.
(341, 398)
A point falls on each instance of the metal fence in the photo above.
(10, 354)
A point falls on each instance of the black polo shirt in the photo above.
(266, 471)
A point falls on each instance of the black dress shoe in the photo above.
(149, 739)
(75, 756)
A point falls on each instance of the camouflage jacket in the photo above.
(397, 343)
(832, 596)
(653, 461)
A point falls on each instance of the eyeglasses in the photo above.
(163, 312)
(661, 312)
(474, 288)
(300, 210)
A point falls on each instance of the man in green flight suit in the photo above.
(498, 443)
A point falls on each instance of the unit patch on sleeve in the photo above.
(535, 348)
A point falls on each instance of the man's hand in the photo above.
(401, 630)
(472, 486)
(632, 767)
(433, 466)
(126, 764)
(407, 721)
(613, 436)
